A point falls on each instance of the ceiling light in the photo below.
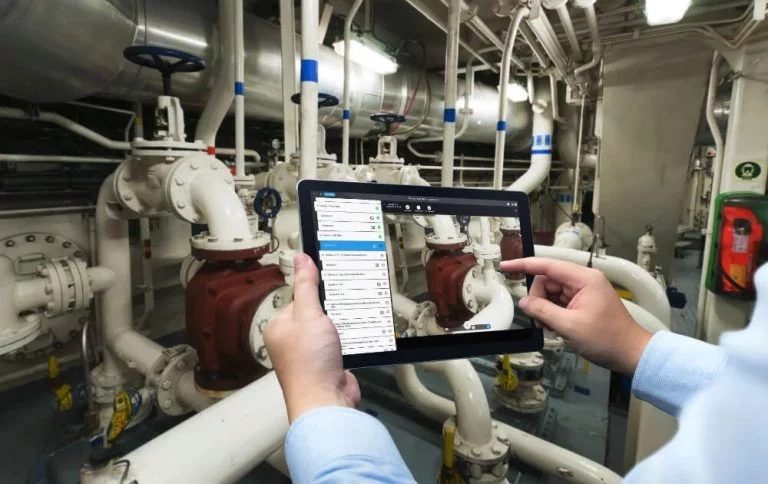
(663, 12)
(517, 93)
(367, 56)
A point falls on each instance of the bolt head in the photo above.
(128, 197)
(497, 450)
(126, 177)
(214, 165)
(48, 289)
(67, 245)
(179, 182)
(31, 238)
(180, 204)
(476, 451)
(180, 365)
(50, 239)
(167, 404)
(166, 385)
(9, 243)
(194, 165)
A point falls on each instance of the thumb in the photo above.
(546, 312)
(306, 295)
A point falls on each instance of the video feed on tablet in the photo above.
(404, 272)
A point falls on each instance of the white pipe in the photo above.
(187, 393)
(66, 123)
(597, 46)
(569, 239)
(646, 320)
(31, 294)
(473, 417)
(347, 74)
(646, 291)
(570, 32)
(717, 168)
(532, 450)
(222, 93)
(554, 101)
(501, 126)
(451, 91)
(239, 432)
(239, 90)
(221, 208)
(541, 153)
(444, 227)
(288, 58)
(404, 307)
(24, 158)
(500, 311)
(309, 72)
(115, 309)
(247, 153)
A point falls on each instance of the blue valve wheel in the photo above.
(324, 100)
(388, 118)
(267, 203)
(167, 61)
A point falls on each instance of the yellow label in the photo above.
(121, 416)
(64, 397)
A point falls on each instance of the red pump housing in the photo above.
(446, 270)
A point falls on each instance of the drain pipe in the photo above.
(451, 91)
(501, 126)
(239, 91)
(310, 17)
(345, 115)
(221, 95)
(597, 46)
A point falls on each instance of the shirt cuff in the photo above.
(341, 440)
(673, 368)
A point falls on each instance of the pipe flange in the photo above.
(487, 455)
(457, 242)
(272, 304)
(526, 362)
(69, 285)
(553, 342)
(178, 183)
(581, 230)
(175, 362)
(206, 246)
(472, 280)
(510, 224)
(487, 252)
(18, 335)
(525, 399)
(554, 4)
(166, 148)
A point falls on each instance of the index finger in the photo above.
(565, 273)
(306, 295)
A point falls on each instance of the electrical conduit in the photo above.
(346, 114)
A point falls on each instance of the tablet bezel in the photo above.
(516, 341)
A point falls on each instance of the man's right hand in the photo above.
(581, 306)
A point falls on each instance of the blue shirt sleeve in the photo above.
(336, 444)
(673, 368)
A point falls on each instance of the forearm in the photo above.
(673, 368)
(335, 444)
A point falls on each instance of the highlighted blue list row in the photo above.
(352, 245)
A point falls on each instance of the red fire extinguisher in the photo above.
(741, 234)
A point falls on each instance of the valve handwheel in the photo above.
(324, 100)
(267, 203)
(167, 61)
(388, 119)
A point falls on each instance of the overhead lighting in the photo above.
(663, 12)
(516, 93)
(367, 56)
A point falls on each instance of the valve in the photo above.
(267, 203)
(154, 57)
(324, 100)
(388, 119)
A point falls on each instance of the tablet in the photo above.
(410, 273)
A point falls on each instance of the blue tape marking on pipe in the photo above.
(239, 89)
(346, 114)
(548, 140)
(539, 140)
(541, 152)
(449, 115)
(501, 126)
(309, 70)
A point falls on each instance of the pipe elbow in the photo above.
(221, 208)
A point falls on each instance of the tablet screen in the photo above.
(409, 272)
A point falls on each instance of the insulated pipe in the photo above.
(288, 77)
(309, 88)
(222, 209)
(451, 91)
(473, 416)
(570, 32)
(115, 308)
(66, 123)
(346, 114)
(501, 126)
(646, 291)
(239, 89)
(240, 432)
(597, 46)
(541, 152)
(579, 155)
(221, 95)
(545, 34)
(717, 168)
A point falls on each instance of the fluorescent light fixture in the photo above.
(663, 12)
(516, 93)
(367, 56)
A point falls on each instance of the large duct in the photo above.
(65, 50)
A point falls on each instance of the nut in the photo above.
(67, 245)
(179, 182)
(50, 239)
(9, 243)
(166, 385)
(180, 365)
(180, 204)
(31, 238)
(476, 451)
(167, 404)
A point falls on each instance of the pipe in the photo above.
(501, 126)
(221, 208)
(646, 291)
(247, 153)
(190, 397)
(565, 19)
(500, 311)
(288, 76)
(148, 285)
(646, 320)
(577, 172)
(239, 90)
(717, 168)
(543, 31)
(597, 46)
(404, 307)
(66, 123)
(45, 211)
(240, 432)
(222, 94)
(532, 450)
(115, 309)
(541, 152)
(432, 17)
(555, 103)
(309, 88)
(31, 158)
(451, 91)
(347, 74)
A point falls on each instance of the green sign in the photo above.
(749, 170)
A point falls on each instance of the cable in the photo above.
(422, 75)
